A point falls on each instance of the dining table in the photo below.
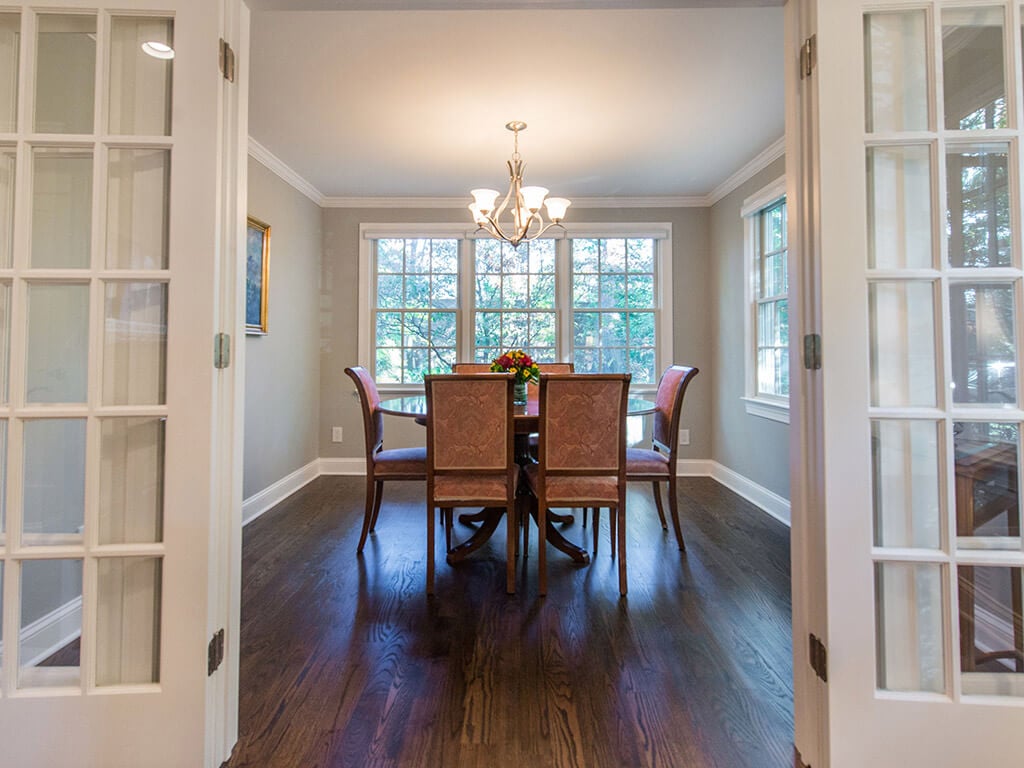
(526, 418)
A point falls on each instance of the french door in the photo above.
(109, 249)
(920, 214)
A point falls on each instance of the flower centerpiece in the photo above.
(522, 366)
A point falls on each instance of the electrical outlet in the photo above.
(684, 437)
(336, 435)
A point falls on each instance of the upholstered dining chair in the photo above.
(471, 368)
(658, 463)
(470, 454)
(381, 465)
(581, 453)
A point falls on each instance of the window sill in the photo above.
(774, 410)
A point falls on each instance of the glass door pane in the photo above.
(10, 44)
(140, 75)
(973, 76)
(65, 73)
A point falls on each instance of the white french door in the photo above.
(922, 324)
(109, 280)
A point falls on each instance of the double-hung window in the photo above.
(433, 295)
(415, 310)
(514, 299)
(767, 319)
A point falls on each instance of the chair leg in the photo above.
(597, 525)
(657, 503)
(612, 529)
(621, 514)
(673, 508)
(585, 510)
(430, 549)
(511, 539)
(542, 549)
(377, 496)
(447, 516)
(372, 503)
(524, 520)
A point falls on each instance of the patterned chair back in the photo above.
(373, 419)
(668, 404)
(582, 423)
(469, 423)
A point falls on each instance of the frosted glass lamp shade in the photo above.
(557, 207)
(533, 197)
(478, 216)
(484, 199)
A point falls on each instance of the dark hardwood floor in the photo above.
(345, 662)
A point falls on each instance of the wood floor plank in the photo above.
(346, 662)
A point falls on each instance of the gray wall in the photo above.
(755, 447)
(282, 369)
(339, 300)
(296, 388)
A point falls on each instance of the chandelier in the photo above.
(525, 221)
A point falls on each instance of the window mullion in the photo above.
(563, 301)
(465, 338)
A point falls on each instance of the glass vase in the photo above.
(519, 393)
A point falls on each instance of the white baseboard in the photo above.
(769, 501)
(260, 502)
(342, 466)
(48, 634)
(694, 467)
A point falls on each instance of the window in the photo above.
(435, 295)
(613, 306)
(767, 327)
(515, 299)
(416, 300)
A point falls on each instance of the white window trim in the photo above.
(763, 406)
(660, 232)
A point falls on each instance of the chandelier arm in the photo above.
(544, 229)
(495, 229)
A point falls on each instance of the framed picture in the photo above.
(257, 275)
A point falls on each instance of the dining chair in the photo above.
(470, 454)
(471, 368)
(581, 458)
(658, 464)
(381, 465)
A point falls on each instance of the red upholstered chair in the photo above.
(381, 465)
(658, 463)
(471, 368)
(581, 452)
(470, 455)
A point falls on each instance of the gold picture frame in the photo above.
(257, 275)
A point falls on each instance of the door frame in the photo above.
(807, 533)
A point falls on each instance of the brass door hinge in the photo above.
(221, 350)
(812, 351)
(808, 56)
(226, 59)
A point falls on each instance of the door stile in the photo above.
(808, 531)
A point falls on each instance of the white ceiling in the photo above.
(658, 102)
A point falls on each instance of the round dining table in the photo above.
(527, 419)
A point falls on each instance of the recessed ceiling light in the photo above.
(158, 50)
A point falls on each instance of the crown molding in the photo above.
(273, 163)
(276, 165)
(462, 202)
(767, 156)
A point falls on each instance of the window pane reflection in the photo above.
(973, 83)
(978, 227)
(991, 630)
(987, 496)
(983, 348)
